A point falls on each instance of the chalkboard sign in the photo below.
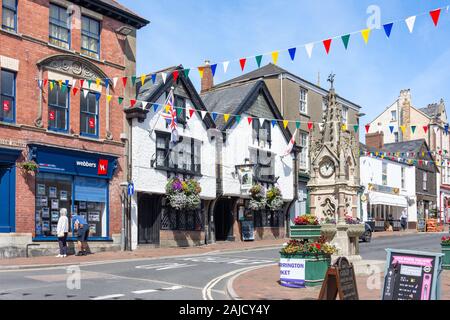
(248, 229)
(412, 275)
(340, 279)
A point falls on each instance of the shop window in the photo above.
(89, 115)
(265, 165)
(425, 181)
(267, 218)
(7, 96)
(58, 109)
(172, 219)
(53, 192)
(303, 156)
(90, 37)
(59, 26)
(9, 15)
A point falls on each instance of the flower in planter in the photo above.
(306, 220)
(445, 240)
(351, 220)
(319, 247)
(328, 220)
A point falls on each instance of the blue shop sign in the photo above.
(65, 161)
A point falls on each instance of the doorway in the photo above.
(7, 198)
(223, 219)
(149, 208)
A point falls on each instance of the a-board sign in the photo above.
(340, 280)
(412, 275)
(248, 229)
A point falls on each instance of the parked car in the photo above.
(367, 235)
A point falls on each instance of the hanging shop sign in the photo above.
(412, 275)
(245, 173)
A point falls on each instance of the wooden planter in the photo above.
(305, 232)
(446, 259)
(316, 267)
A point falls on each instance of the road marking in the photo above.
(243, 262)
(165, 266)
(111, 296)
(172, 288)
(206, 292)
(144, 291)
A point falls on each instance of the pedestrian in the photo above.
(404, 219)
(81, 228)
(62, 230)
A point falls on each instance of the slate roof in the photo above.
(431, 110)
(405, 146)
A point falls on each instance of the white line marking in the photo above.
(144, 291)
(173, 288)
(111, 296)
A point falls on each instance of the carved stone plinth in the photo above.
(346, 239)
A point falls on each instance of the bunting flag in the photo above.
(132, 102)
(345, 40)
(249, 119)
(154, 78)
(392, 129)
(258, 60)
(203, 114)
(191, 112)
(403, 128)
(82, 83)
(143, 77)
(114, 82)
(238, 118)
(85, 93)
(410, 23)
(175, 75)
(285, 123)
(133, 80)
(120, 100)
(327, 45)
(155, 107)
(310, 126)
(356, 128)
(435, 14)
(97, 82)
(74, 91)
(213, 69)
(186, 73)
(425, 129)
(292, 52)
(226, 117)
(51, 85)
(344, 127)
(60, 83)
(366, 34)
(108, 98)
(214, 116)
(201, 70)
(297, 124)
(45, 82)
(164, 77)
(124, 81)
(309, 48)
(242, 63)
(225, 66)
(367, 128)
(144, 105)
(97, 96)
(274, 123)
(446, 128)
(413, 129)
(261, 122)
(275, 57)
(388, 29)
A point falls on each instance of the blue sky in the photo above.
(188, 32)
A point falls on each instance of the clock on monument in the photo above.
(326, 168)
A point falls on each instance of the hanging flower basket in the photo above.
(29, 166)
(274, 199)
(258, 199)
(183, 194)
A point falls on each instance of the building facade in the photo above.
(60, 139)
(431, 124)
(156, 159)
(299, 99)
(252, 151)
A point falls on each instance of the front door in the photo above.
(149, 207)
(6, 199)
(223, 220)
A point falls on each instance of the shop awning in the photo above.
(387, 199)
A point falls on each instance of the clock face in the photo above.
(327, 168)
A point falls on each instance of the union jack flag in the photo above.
(170, 114)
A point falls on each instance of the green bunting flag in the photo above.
(89, 84)
(120, 100)
(297, 124)
(258, 60)
(186, 72)
(238, 118)
(133, 80)
(413, 129)
(179, 112)
(345, 40)
(63, 88)
(356, 128)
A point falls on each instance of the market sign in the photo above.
(383, 189)
(292, 272)
(340, 279)
(412, 275)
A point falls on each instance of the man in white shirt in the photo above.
(62, 230)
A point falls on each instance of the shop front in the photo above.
(445, 204)
(77, 181)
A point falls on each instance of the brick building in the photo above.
(56, 57)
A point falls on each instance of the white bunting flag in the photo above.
(436, 129)
(225, 66)
(261, 121)
(74, 83)
(85, 92)
(144, 105)
(115, 81)
(410, 23)
(164, 77)
(309, 48)
(203, 114)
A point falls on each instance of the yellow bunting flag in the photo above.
(285, 123)
(226, 117)
(275, 57)
(344, 127)
(108, 98)
(51, 85)
(403, 128)
(167, 108)
(366, 34)
(97, 81)
(200, 71)
(143, 79)
(60, 83)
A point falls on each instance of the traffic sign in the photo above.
(130, 188)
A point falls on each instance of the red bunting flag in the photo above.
(132, 102)
(327, 45)
(81, 83)
(435, 14)
(74, 90)
(367, 128)
(310, 126)
(45, 82)
(242, 63)
(425, 129)
(175, 75)
(124, 81)
(249, 119)
(191, 112)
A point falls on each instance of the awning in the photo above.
(387, 199)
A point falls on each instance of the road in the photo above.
(181, 278)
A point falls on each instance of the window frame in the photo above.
(90, 35)
(13, 97)
(393, 119)
(14, 10)
(67, 110)
(305, 150)
(303, 102)
(384, 174)
(97, 116)
(59, 24)
(425, 181)
(183, 119)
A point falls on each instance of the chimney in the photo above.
(208, 79)
(375, 140)
(405, 107)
